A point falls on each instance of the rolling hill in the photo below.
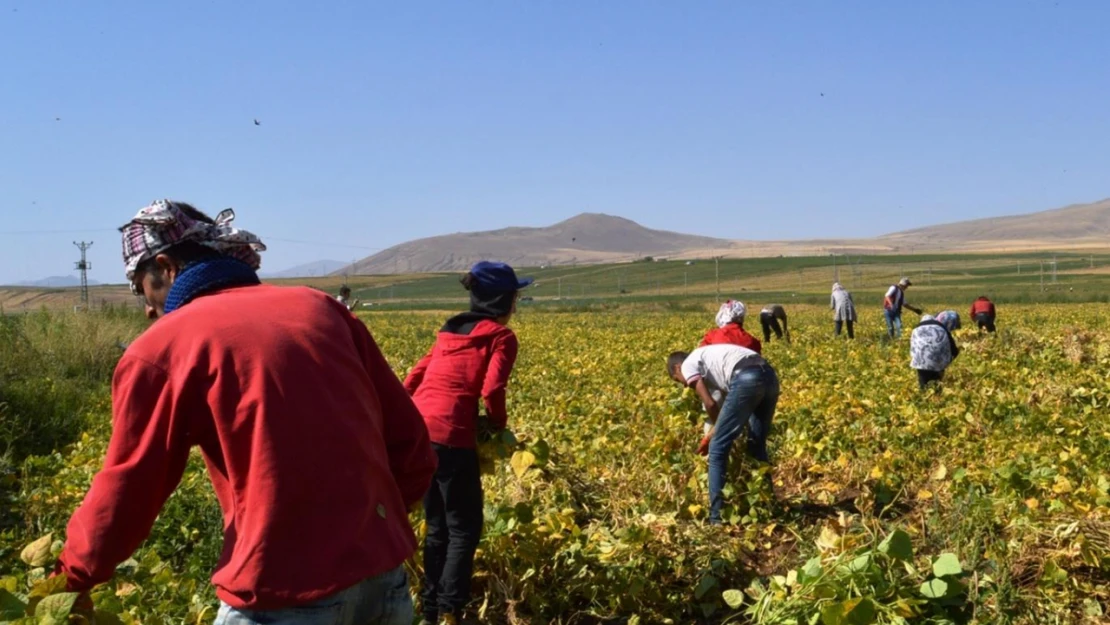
(596, 238)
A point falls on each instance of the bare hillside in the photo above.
(587, 238)
(1069, 226)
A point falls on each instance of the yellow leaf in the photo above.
(38, 552)
(924, 494)
(828, 540)
(1063, 485)
(940, 473)
(1032, 503)
(521, 462)
(876, 473)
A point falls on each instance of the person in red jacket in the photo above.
(730, 328)
(314, 449)
(982, 312)
(471, 360)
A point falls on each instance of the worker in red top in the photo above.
(983, 313)
(314, 449)
(471, 360)
(730, 328)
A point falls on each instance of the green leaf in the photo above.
(508, 438)
(523, 512)
(705, 584)
(898, 546)
(832, 614)
(11, 607)
(934, 588)
(38, 552)
(56, 608)
(947, 564)
(542, 451)
(811, 570)
(860, 564)
(734, 598)
(106, 618)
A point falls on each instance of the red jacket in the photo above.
(981, 305)
(732, 334)
(313, 447)
(461, 368)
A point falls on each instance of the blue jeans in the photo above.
(380, 600)
(893, 322)
(753, 394)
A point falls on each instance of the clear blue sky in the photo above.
(381, 123)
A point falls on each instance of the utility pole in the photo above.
(836, 270)
(717, 275)
(84, 266)
(1053, 269)
(560, 279)
(685, 283)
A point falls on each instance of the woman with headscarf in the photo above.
(844, 310)
(471, 360)
(730, 328)
(932, 347)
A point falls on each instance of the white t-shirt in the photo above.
(714, 364)
(896, 297)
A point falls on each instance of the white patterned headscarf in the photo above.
(837, 287)
(950, 319)
(732, 310)
(165, 223)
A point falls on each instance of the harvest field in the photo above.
(988, 502)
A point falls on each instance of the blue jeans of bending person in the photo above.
(752, 396)
(380, 600)
(893, 323)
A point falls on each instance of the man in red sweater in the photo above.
(314, 449)
(983, 313)
(471, 361)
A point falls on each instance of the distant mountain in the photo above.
(596, 238)
(56, 282)
(587, 238)
(1071, 226)
(308, 270)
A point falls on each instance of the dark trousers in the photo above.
(985, 320)
(924, 377)
(768, 321)
(837, 325)
(453, 515)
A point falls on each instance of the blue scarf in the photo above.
(209, 275)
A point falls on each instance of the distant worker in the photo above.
(844, 310)
(893, 303)
(345, 298)
(769, 318)
(932, 347)
(751, 391)
(470, 363)
(983, 313)
(730, 328)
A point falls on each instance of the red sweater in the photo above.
(732, 334)
(313, 447)
(461, 368)
(981, 305)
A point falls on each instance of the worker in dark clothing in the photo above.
(769, 318)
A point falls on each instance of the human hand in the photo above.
(703, 446)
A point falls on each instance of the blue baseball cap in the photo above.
(497, 277)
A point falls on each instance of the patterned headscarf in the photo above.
(837, 287)
(732, 310)
(950, 319)
(164, 224)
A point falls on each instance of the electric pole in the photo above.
(84, 266)
(717, 275)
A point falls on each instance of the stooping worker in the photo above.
(844, 310)
(314, 449)
(471, 360)
(345, 298)
(750, 388)
(730, 328)
(729, 331)
(932, 347)
(983, 313)
(893, 303)
(769, 318)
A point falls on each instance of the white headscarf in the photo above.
(732, 310)
(837, 287)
